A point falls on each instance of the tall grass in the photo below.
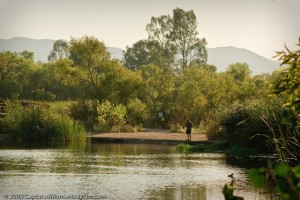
(39, 124)
(258, 124)
(245, 125)
(286, 143)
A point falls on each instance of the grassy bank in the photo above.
(218, 146)
(39, 123)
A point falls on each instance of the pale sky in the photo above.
(262, 26)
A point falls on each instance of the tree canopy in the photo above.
(174, 40)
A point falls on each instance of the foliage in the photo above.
(14, 72)
(209, 147)
(179, 33)
(172, 44)
(88, 55)
(288, 84)
(184, 148)
(287, 179)
(157, 91)
(60, 50)
(136, 112)
(248, 123)
(110, 115)
(36, 123)
(287, 145)
(86, 113)
(13, 117)
(176, 127)
(196, 93)
(212, 129)
(126, 128)
(82, 69)
(118, 84)
(60, 107)
(239, 71)
(145, 52)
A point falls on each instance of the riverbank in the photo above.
(159, 137)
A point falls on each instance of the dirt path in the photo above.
(146, 137)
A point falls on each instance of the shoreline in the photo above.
(147, 138)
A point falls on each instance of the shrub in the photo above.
(176, 127)
(212, 130)
(110, 115)
(39, 124)
(136, 112)
(249, 123)
(86, 113)
(286, 178)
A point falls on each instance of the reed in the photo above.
(244, 124)
(33, 124)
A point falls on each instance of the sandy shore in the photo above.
(147, 137)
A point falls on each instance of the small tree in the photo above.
(110, 115)
(137, 112)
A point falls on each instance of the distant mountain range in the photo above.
(221, 57)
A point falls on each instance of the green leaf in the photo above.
(282, 185)
(296, 171)
(258, 180)
(282, 170)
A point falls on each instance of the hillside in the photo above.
(41, 48)
(221, 57)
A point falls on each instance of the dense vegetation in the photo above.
(283, 173)
(166, 73)
(38, 123)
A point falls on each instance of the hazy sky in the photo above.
(262, 26)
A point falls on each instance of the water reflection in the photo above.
(119, 171)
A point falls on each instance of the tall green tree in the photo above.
(196, 94)
(14, 72)
(179, 34)
(157, 90)
(145, 52)
(118, 84)
(60, 50)
(88, 55)
(239, 71)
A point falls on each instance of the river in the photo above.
(118, 171)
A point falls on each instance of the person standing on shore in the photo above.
(189, 126)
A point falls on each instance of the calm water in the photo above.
(119, 171)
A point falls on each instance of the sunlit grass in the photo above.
(39, 123)
(211, 147)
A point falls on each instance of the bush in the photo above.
(110, 115)
(248, 124)
(39, 124)
(176, 127)
(136, 112)
(86, 113)
(212, 130)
